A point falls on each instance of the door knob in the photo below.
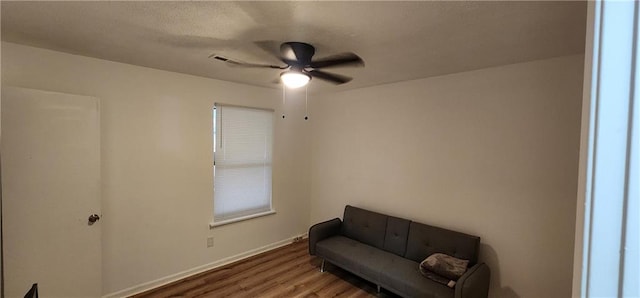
(93, 218)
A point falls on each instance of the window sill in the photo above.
(242, 218)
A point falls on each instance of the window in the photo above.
(241, 163)
(610, 248)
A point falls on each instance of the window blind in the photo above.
(242, 161)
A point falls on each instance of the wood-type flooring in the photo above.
(288, 271)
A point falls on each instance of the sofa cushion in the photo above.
(365, 226)
(359, 258)
(403, 276)
(395, 239)
(425, 240)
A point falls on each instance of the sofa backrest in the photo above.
(382, 231)
(365, 226)
(395, 239)
(412, 240)
(424, 240)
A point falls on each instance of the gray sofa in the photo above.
(387, 251)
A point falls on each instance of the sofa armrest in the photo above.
(321, 231)
(474, 283)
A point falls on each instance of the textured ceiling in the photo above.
(398, 40)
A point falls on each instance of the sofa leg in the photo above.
(322, 266)
(378, 288)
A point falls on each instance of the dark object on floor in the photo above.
(387, 250)
(33, 292)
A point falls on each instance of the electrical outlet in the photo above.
(210, 242)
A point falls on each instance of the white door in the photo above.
(50, 187)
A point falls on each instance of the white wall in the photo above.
(157, 162)
(492, 152)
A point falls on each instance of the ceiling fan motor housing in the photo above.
(297, 54)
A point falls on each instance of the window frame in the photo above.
(606, 241)
(216, 124)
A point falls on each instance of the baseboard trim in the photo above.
(189, 272)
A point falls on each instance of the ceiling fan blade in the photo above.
(244, 64)
(330, 77)
(343, 59)
(270, 47)
(276, 81)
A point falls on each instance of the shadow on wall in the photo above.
(489, 256)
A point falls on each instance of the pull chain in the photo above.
(306, 102)
(284, 99)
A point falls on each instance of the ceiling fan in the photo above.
(300, 67)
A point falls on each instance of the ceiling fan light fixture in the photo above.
(294, 79)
